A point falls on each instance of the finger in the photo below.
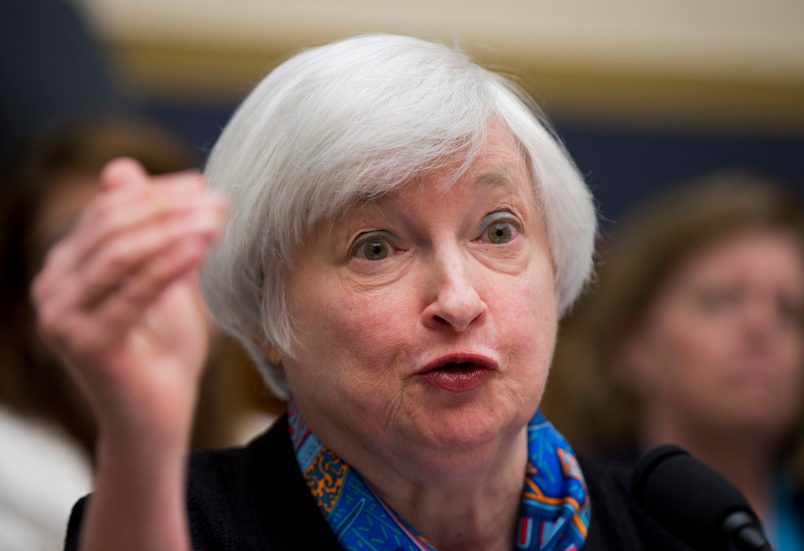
(132, 196)
(178, 177)
(74, 278)
(119, 212)
(49, 316)
(122, 172)
(127, 307)
(121, 205)
(122, 215)
(176, 193)
(121, 256)
(116, 211)
(82, 301)
(70, 269)
(125, 171)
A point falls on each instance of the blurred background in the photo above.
(644, 94)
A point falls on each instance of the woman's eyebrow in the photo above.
(505, 184)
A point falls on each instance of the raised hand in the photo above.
(118, 300)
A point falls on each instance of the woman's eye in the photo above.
(375, 250)
(500, 232)
(373, 246)
(712, 300)
(499, 227)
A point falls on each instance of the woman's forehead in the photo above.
(498, 183)
(501, 166)
(499, 172)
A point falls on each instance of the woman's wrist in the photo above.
(139, 483)
(161, 426)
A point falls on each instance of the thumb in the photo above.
(122, 172)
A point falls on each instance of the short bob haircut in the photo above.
(349, 122)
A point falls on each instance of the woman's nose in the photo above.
(456, 303)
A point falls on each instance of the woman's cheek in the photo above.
(536, 309)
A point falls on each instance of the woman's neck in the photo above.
(460, 503)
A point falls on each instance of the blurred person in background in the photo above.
(692, 335)
(47, 432)
(63, 119)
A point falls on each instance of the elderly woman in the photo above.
(693, 335)
(403, 235)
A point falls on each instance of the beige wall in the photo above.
(733, 64)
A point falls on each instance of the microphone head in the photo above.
(690, 499)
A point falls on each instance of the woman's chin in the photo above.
(465, 430)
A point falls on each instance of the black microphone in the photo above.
(695, 503)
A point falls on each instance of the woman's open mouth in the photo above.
(460, 373)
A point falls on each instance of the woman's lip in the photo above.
(459, 380)
(478, 360)
(476, 370)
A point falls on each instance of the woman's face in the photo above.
(426, 320)
(722, 346)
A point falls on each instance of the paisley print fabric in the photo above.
(553, 515)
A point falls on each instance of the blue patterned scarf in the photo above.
(553, 513)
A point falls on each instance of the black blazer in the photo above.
(255, 498)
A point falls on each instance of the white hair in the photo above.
(351, 121)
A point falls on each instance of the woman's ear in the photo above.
(272, 353)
